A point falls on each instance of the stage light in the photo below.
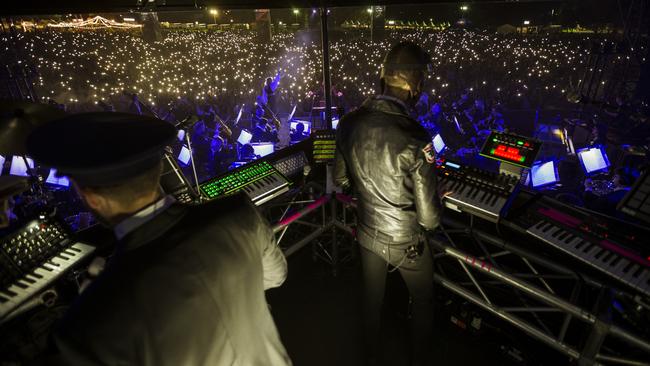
(526, 22)
(213, 11)
(464, 8)
(370, 11)
(296, 11)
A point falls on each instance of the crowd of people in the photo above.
(87, 69)
(231, 80)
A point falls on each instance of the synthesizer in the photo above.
(292, 165)
(636, 202)
(32, 258)
(259, 180)
(615, 248)
(478, 192)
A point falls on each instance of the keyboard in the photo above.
(291, 165)
(614, 248)
(259, 180)
(33, 258)
(475, 191)
(636, 202)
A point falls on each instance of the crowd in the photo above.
(218, 75)
(86, 69)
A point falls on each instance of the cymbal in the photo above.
(18, 120)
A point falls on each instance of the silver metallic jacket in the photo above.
(380, 155)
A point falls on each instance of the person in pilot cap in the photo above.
(387, 157)
(185, 284)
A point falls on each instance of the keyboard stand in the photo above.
(514, 280)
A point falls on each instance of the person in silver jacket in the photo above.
(385, 156)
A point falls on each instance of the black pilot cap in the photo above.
(101, 149)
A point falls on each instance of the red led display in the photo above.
(507, 152)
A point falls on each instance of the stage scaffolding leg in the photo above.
(600, 328)
(328, 223)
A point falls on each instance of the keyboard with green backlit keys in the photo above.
(259, 180)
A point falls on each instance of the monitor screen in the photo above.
(2, 163)
(438, 144)
(335, 123)
(180, 135)
(263, 148)
(593, 159)
(244, 137)
(306, 125)
(543, 174)
(53, 179)
(184, 156)
(18, 166)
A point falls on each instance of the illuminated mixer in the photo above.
(511, 149)
(259, 180)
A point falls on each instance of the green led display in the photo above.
(235, 181)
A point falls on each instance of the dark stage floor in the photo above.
(318, 316)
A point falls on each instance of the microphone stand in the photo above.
(196, 177)
(185, 125)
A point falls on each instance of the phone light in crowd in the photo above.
(593, 160)
(18, 166)
(184, 156)
(544, 174)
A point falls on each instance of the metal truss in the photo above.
(310, 214)
(532, 293)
